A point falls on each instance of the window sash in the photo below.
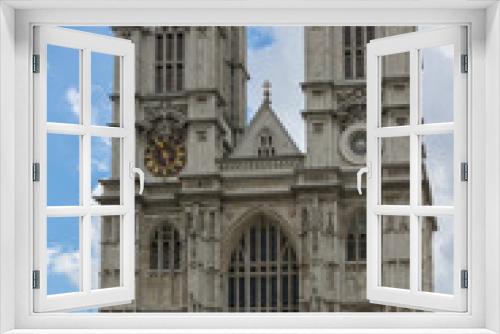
(412, 42)
(86, 44)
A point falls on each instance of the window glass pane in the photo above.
(159, 47)
(105, 170)
(180, 76)
(436, 84)
(395, 89)
(360, 64)
(347, 36)
(395, 251)
(348, 64)
(437, 169)
(395, 170)
(63, 169)
(359, 36)
(105, 252)
(63, 84)
(170, 46)
(169, 77)
(63, 255)
(180, 47)
(437, 254)
(159, 79)
(106, 79)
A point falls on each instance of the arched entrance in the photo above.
(263, 270)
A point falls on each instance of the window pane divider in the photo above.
(85, 167)
(95, 210)
(417, 129)
(82, 130)
(406, 210)
(414, 172)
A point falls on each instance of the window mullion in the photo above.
(414, 173)
(352, 48)
(174, 61)
(85, 169)
(164, 62)
(247, 270)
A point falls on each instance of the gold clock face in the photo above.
(165, 155)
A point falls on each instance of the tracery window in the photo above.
(263, 271)
(165, 248)
(356, 238)
(169, 59)
(355, 39)
(266, 148)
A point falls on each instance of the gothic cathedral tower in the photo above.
(190, 96)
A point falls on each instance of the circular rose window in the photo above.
(353, 143)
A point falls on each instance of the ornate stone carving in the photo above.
(165, 153)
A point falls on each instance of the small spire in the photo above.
(267, 93)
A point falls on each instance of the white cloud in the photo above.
(101, 104)
(282, 63)
(101, 165)
(101, 154)
(73, 98)
(97, 191)
(65, 262)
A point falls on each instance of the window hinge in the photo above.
(464, 171)
(36, 172)
(464, 279)
(36, 279)
(36, 63)
(465, 63)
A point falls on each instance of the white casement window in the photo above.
(466, 214)
(80, 136)
(399, 224)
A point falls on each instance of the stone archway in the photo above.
(262, 269)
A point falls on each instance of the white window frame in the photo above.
(411, 43)
(16, 20)
(85, 44)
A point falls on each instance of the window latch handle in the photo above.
(361, 171)
(135, 170)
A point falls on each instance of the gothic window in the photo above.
(263, 271)
(266, 148)
(356, 238)
(165, 249)
(169, 62)
(347, 53)
(317, 127)
(355, 39)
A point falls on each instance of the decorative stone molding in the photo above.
(345, 144)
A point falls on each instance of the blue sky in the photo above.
(260, 37)
(275, 54)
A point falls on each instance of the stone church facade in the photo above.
(234, 217)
